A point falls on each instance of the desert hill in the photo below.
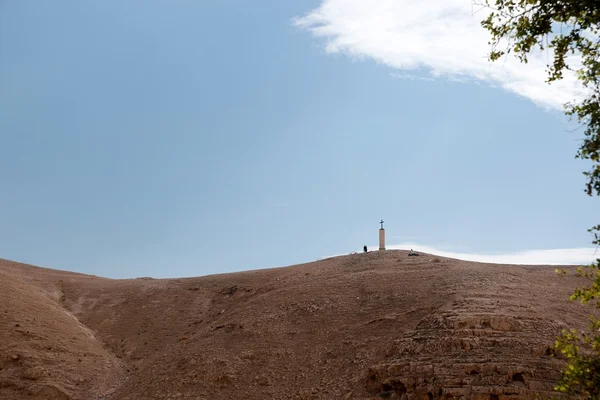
(363, 326)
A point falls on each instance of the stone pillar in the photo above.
(382, 239)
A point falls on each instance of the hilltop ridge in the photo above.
(361, 326)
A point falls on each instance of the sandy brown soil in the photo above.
(363, 326)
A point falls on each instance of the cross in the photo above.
(381, 224)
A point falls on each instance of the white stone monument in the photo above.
(381, 237)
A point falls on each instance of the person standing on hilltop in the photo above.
(365, 248)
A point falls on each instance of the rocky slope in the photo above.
(363, 326)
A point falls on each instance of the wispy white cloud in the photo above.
(443, 37)
(575, 256)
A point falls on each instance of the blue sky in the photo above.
(184, 138)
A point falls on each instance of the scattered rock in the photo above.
(230, 290)
(262, 380)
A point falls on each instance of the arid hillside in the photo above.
(363, 326)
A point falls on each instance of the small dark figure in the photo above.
(365, 248)
(412, 253)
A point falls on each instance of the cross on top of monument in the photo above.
(381, 222)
